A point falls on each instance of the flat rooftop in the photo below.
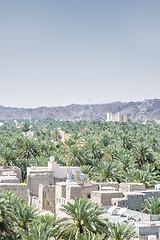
(144, 223)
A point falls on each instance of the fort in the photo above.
(49, 188)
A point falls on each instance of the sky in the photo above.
(62, 52)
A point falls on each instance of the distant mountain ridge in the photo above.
(148, 109)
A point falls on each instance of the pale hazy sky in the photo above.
(59, 52)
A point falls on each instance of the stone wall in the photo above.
(87, 188)
(11, 171)
(104, 197)
(46, 197)
(106, 185)
(73, 191)
(134, 200)
(128, 187)
(35, 178)
(20, 189)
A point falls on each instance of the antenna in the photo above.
(145, 95)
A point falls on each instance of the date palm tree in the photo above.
(7, 219)
(143, 154)
(121, 231)
(22, 213)
(84, 217)
(107, 171)
(28, 148)
(147, 175)
(73, 156)
(152, 205)
(40, 231)
(92, 236)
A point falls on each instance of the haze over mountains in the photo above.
(148, 109)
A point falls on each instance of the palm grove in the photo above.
(107, 151)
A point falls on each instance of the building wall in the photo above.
(68, 191)
(88, 188)
(46, 198)
(9, 179)
(35, 178)
(73, 191)
(11, 171)
(128, 187)
(105, 185)
(117, 117)
(104, 197)
(59, 172)
(20, 189)
(134, 200)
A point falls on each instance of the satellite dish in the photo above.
(111, 209)
(122, 211)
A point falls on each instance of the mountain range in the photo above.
(148, 109)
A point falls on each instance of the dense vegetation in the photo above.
(152, 206)
(107, 151)
(19, 221)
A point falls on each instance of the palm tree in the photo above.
(93, 149)
(107, 171)
(55, 135)
(111, 152)
(126, 142)
(73, 156)
(44, 228)
(104, 140)
(126, 161)
(92, 236)
(9, 155)
(143, 155)
(23, 214)
(152, 205)
(121, 231)
(147, 175)
(25, 127)
(28, 149)
(84, 216)
(40, 231)
(7, 219)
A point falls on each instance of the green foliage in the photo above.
(122, 231)
(84, 216)
(15, 216)
(108, 150)
(152, 205)
(92, 236)
(147, 175)
(43, 229)
(107, 171)
(25, 127)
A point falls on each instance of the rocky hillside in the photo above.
(145, 110)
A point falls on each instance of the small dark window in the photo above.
(89, 196)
